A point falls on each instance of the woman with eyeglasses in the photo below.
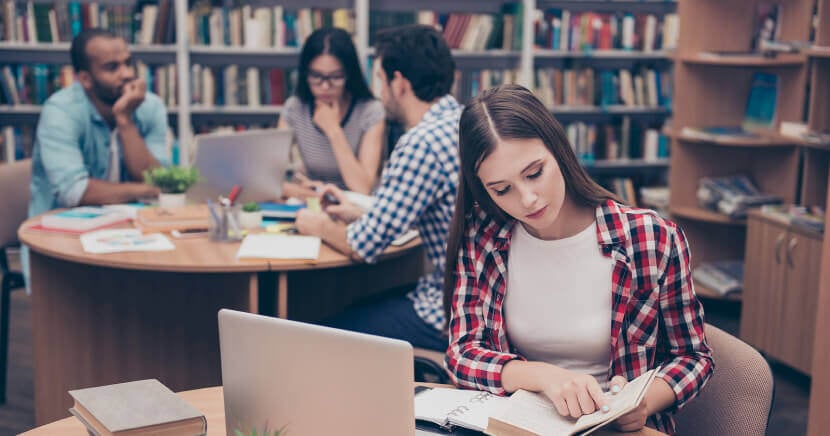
(338, 124)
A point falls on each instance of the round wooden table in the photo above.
(210, 401)
(107, 318)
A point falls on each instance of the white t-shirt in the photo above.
(557, 305)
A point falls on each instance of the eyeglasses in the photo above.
(335, 80)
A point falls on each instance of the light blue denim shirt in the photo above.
(72, 145)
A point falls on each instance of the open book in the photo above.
(523, 413)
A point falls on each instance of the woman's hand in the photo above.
(634, 420)
(574, 394)
(327, 116)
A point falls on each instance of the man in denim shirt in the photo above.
(96, 137)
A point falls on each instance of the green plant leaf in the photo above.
(172, 180)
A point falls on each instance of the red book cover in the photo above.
(276, 77)
(606, 40)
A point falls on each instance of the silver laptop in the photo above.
(313, 380)
(255, 160)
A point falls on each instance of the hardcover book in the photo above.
(80, 219)
(523, 413)
(136, 408)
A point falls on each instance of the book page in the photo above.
(535, 413)
(625, 401)
(265, 246)
(461, 407)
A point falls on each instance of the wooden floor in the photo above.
(17, 415)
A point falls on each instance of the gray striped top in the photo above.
(315, 148)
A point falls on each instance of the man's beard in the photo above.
(105, 94)
(393, 109)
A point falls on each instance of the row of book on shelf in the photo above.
(237, 25)
(592, 142)
(29, 84)
(617, 141)
(564, 30)
(31, 21)
(243, 25)
(252, 86)
(643, 87)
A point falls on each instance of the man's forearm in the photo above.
(101, 192)
(137, 156)
(334, 234)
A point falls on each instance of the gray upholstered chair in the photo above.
(14, 203)
(737, 399)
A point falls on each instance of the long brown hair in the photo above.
(507, 112)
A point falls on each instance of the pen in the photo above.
(213, 212)
(234, 193)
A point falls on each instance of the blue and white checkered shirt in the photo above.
(417, 189)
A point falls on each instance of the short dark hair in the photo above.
(77, 51)
(338, 43)
(421, 55)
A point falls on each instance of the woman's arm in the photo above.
(681, 378)
(691, 361)
(301, 187)
(472, 359)
(359, 172)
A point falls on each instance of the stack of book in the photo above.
(732, 196)
(724, 277)
(807, 217)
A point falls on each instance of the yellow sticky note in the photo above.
(313, 204)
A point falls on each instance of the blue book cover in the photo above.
(760, 106)
(75, 18)
(280, 210)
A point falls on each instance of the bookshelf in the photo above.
(713, 90)
(182, 49)
(621, 110)
(819, 120)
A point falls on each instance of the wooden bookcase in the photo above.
(816, 161)
(184, 54)
(713, 92)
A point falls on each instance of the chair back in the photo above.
(737, 399)
(14, 198)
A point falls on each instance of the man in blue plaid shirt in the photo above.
(417, 187)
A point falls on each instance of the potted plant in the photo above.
(251, 216)
(173, 182)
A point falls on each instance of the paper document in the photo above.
(269, 246)
(121, 240)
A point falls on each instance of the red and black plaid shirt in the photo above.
(657, 318)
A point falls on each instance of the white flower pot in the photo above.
(250, 220)
(170, 201)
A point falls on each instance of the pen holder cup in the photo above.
(224, 225)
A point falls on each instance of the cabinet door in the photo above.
(798, 309)
(764, 275)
